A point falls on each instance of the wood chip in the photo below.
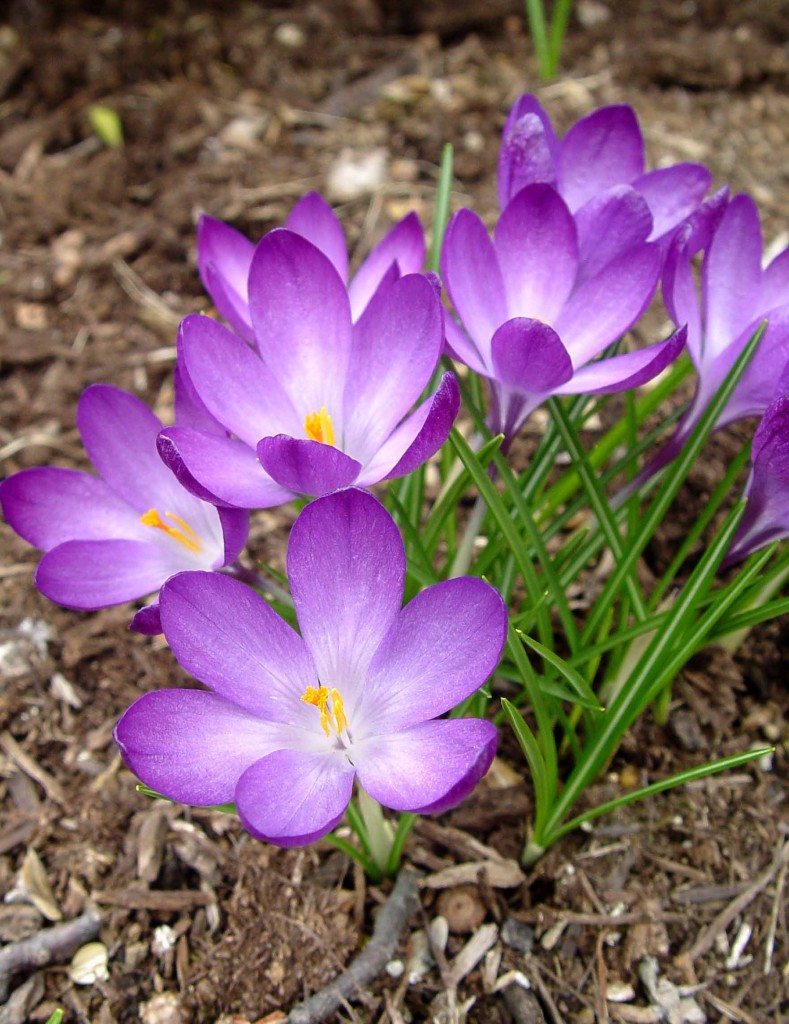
(500, 874)
(30, 767)
(169, 900)
(33, 882)
(473, 951)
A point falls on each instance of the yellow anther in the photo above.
(318, 697)
(182, 531)
(318, 427)
(339, 711)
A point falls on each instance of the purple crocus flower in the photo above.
(118, 536)
(224, 258)
(766, 516)
(290, 721)
(534, 321)
(322, 402)
(600, 159)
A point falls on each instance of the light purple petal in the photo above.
(396, 346)
(346, 566)
(302, 319)
(219, 470)
(192, 746)
(604, 148)
(442, 647)
(49, 505)
(227, 637)
(428, 768)
(673, 193)
(404, 245)
(610, 223)
(681, 295)
(90, 574)
(293, 797)
(461, 348)
(471, 275)
(306, 467)
(761, 380)
(529, 356)
(629, 370)
(418, 437)
(238, 389)
(537, 248)
(775, 283)
(606, 305)
(147, 620)
(528, 153)
(731, 276)
(314, 219)
(234, 523)
(224, 257)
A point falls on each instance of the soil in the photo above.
(237, 110)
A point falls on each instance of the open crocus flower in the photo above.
(766, 516)
(118, 536)
(224, 258)
(323, 402)
(600, 159)
(290, 721)
(534, 323)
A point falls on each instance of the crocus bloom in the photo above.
(602, 154)
(322, 402)
(117, 536)
(766, 516)
(291, 720)
(224, 258)
(533, 323)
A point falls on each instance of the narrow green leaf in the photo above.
(441, 212)
(543, 788)
(576, 681)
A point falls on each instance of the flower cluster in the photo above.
(320, 385)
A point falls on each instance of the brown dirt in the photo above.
(236, 110)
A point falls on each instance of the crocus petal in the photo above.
(471, 275)
(293, 797)
(775, 283)
(731, 275)
(90, 574)
(147, 620)
(428, 768)
(224, 257)
(235, 531)
(238, 389)
(610, 223)
(302, 319)
(314, 219)
(606, 305)
(346, 567)
(529, 355)
(396, 346)
(462, 349)
(629, 370)
(48, 506)
(527, 155)
(219, 470)
(760, 382)
(306, 467)
(192, 746)
(537, 248)
(226, 636)
(418, 437)
(680, 294)
(190, 409)
(441, 647)
(673, 193)
(604, 148)
(404, 245)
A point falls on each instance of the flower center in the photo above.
(332, 717)
(318, 427)
(182, 531)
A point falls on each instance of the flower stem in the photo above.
(465, 550)
(378, 830)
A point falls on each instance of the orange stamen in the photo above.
(182, 531)
(318, 427)
(318, 697)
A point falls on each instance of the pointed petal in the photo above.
(610, 223)
(471, 275)
(537, 248)
(238, 389)
(608, 304)
(428, 768)
(314, 219)
(441, 647)
(293, 797)
(603, 149)
(224, 257)
(404, 245)
(346, 566)
(528, 150)
(192, 746)
(219, 470)
(302, 319)
(227, 637)
(673, 193)
(529, 356)
(306, 467)
(147, 620)
(681, 295)
(629, 370)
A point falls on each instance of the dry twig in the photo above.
(47, 946)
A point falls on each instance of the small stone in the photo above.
(463, 908)
(517, 935)
(395, 968)
(164, 1008)
(619, 992)
(354, 174)
(89, 964)
(628, 777)
(31, 316)
(290, 35)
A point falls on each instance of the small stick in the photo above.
(47, 946)
(769, 945)
(391, 920)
